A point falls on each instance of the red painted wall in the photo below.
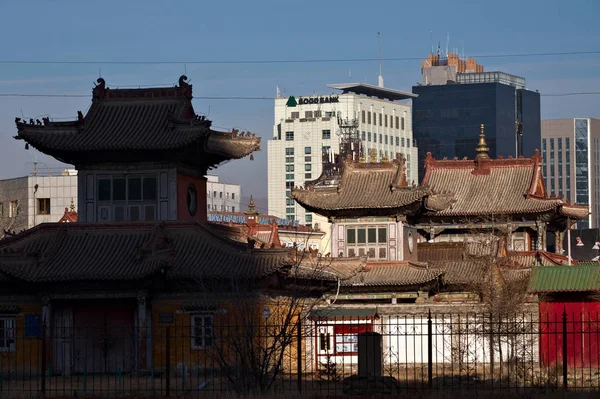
(183, 183)
(583, 332)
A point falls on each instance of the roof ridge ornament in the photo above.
(182, 81)
(251, 208)
(482, 147)
(373, 155)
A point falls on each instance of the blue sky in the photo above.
(276, 30)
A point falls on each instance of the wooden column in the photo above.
(558, 241)
(541, 235)
(142, 333)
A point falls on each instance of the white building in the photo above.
(571, 163)
(305, 126)
(221, 197)
(30, 200)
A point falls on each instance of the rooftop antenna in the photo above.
(278, 92)
(431, 40)
(447, 42)
(380, 82)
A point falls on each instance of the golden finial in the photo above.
(385, 159)
(72, 205)
(361, 160)
(482, 148)
(373, 155)
(251, 209)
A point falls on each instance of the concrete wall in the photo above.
(60, 190)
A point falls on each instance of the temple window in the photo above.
(371, 241)
(131, 198)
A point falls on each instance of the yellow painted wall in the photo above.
(26, 358)
(231, 326)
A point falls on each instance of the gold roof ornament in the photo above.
(72, 205)
(373, 155)
(251, 209)
(482, 147)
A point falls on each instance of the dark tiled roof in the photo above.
(397, 273)
(136, 120)
(444, 251)
(536, 258)
(87, 252)
(363, 186)
(499, 186)
(470, 272)
(459, 272)
(326, 268)
(581, 278)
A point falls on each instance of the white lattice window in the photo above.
(7, 334)
(202, 330)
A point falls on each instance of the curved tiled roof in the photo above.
(363, 186)
(146, 119)
(494, 186)
(393, 274)
(63, 252)
(504, 190)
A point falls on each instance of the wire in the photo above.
(289, 61)
(88, 96)
(580, 93)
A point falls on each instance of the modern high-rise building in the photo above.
(571, 163)
(308, 128)
(221, 197)
(456, 96)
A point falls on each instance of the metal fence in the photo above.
(385, 355)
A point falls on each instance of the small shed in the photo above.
(569, 296)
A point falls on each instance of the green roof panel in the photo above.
(578, 278)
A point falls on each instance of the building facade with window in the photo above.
(221, 197)
(571, 163)
(306, 128)
(30, 200)
(450, 108)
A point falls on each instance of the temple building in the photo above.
(503, 195)
(139, 255)
(375, 213)
(140, 154)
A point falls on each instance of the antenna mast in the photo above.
(380, 81)
(447, 42)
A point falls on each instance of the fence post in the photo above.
(299, 354)
(564, 349)
(429, 350)
(44, 360)
(168, 365)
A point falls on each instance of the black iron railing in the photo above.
(403, 353)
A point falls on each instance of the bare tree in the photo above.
(262, 337)
(503, 293)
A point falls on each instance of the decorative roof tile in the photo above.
(393, 274)
(149, 119)
(363, 187)
(486, 186)
(63, 252)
